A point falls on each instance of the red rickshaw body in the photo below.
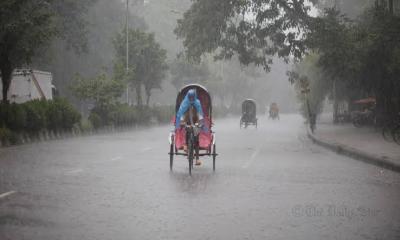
(205, 137)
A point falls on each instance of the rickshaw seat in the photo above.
(205, 137)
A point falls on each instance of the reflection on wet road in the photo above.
(270, 183)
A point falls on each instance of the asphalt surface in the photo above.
(270, 183)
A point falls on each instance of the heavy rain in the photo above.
(199, 119)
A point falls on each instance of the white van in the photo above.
(27, 85)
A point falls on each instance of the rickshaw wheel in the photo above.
(214, 156)
(190, 156)
(171, 156)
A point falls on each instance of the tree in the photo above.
(146, 58)
(101, 90)
(155, 67)
(334, 38)
(103, 19)
(25, 25)
(255, 30)
(380, 71)
(359, 58)
(184, 72)
(28, 25)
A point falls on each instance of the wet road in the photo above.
(270, 183)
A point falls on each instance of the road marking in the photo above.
(74, 172)
(251, 159)
(7, 194)
(146, 149)
(116, 159)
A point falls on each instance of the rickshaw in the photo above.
(198, 142)
(364, 112)
(274, 111)
(249, 113)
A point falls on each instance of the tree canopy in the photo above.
(28, 25)
(147, 60)
(255, 30)
(101, 90)
(359, 57)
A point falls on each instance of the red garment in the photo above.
(205, 137)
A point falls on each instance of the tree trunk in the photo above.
(139, 95)
(148, 95)
(6, 71)
(335, 102)
(391, 10)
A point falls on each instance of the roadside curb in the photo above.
(381, 161)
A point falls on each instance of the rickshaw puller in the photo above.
(190, 100)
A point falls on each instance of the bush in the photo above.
(115, 115)
(144, 115)
(85, 126)
(13, 116)
(95, 120)
(34, 116)
(54, 117)
(69, 114)
(123, 115)
(61, 115)
(35, 112)
(163, 114)
(7, 136)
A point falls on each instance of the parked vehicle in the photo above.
(27, 85)
(365, 113)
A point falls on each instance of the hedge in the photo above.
(38, 115)
(34, 118)
(123, 115)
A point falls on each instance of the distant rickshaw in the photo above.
(274, 111)
(249, 113)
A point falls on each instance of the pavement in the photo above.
(270, 183)
(366, 143)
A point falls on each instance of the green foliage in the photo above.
(61, 115)
(123, 115)
(100, 89)
(333, 37)
(184, 72)
(72, 54)
(96, 120)
(85, 125)
(35, 116)
(114, 115)
(360, 57)
(163, 114)
(255, 30)
(7, 136)
(27, 26)
(13, 116)
(71, 20)
(147, 60)
(319, 85)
